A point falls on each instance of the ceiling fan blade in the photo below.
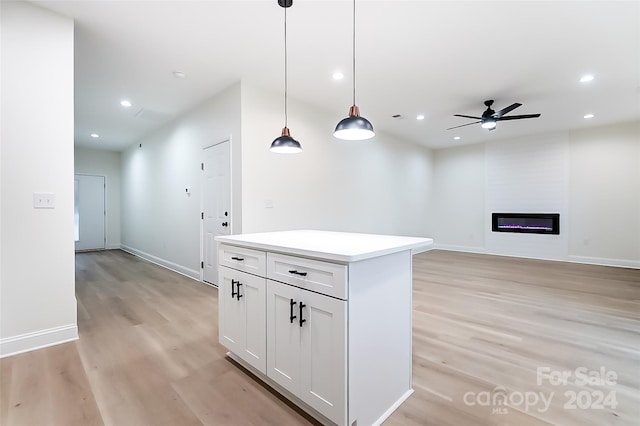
(517, 117)
(468, 124)
(467, 116)
(506, 110)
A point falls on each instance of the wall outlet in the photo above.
(44, 200)
(268, 204)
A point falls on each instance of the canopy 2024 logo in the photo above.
(590, 390)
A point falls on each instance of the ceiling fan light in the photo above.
(489, 124)
(354, 127)
(285, 144)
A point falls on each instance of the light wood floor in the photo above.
(483, 325)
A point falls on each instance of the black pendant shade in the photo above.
(285, 144)
(354, 127)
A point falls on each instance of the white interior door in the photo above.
(89, 212)
(216, 201)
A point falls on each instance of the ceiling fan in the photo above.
(490, 117)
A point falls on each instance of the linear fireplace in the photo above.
(530, 223)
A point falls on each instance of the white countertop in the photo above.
(337, 246)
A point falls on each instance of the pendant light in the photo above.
(285, 144)
(354, 127)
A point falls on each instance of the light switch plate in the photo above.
(44, 200)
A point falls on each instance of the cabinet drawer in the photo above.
(242, 259)
(322, 277)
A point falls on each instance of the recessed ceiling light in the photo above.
(338, 75)
(589, 116)
(586, 78)
(456, 138)
(179, 74)
(420, 117)
(125, 103)
(94, 135)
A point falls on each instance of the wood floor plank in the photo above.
(65, 372)
(148, 352)
(487, 323)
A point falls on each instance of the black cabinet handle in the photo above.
(233, 291)
(225, 224)
(302, 305)
(238, 295)
(302, 274)
(239, 259)
(291, 316)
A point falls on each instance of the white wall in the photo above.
(604, 220)
(105, 163)
(37, 282)
(376, 186)
(458, 197)
(590, 176)
(528, 175)
(159, 220)
(379, 186)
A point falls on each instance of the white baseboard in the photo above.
(37, 340)
(112, 246)
(393, 408)
(466, 249)
(191, 273)
(621, 263)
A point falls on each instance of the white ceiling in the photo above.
(436, 58)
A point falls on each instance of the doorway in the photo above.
(216, 201)
(89, 212)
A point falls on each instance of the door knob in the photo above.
(225, 223)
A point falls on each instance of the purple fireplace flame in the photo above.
(532, 223)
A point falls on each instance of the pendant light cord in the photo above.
(285, 69)
(354, 52)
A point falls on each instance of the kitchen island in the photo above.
(322, 317)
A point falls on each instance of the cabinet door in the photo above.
(283, 335)
(230, 311)
(323, 359)
(242, 316)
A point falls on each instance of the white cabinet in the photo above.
(306, 347)
(322, 317)
(241, 304)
